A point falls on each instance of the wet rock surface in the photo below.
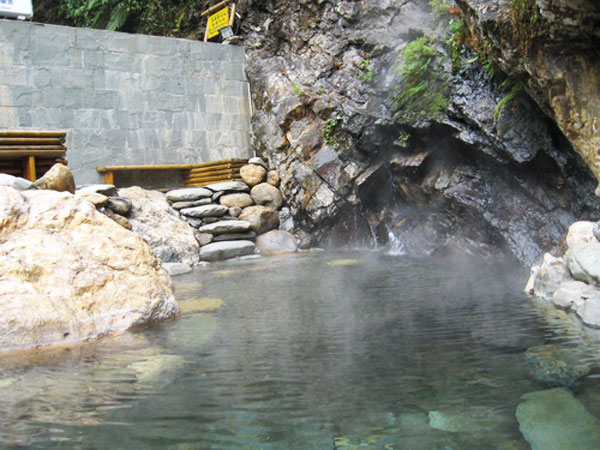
(468, 181)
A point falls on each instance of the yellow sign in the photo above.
(218, 20)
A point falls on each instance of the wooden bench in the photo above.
(30, 154)
(193, 174)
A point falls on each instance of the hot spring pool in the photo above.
(310, 351)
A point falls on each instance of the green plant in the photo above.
(403, 139)
(327, 130)
(108, 14)
(524, 17)
(424, 90)
(161, 17)
(365, 71)
(512, 87)
(440, 7)
(322, 90)
(297, 90)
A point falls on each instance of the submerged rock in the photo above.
(557, 365)
(468, 420)
(555, 420)
(195, 305)
(68, 273)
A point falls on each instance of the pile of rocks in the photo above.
(572, 281)
(229, 216)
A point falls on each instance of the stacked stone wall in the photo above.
(124, 98)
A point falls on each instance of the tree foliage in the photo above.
(159, 17)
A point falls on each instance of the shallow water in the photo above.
(315, 350)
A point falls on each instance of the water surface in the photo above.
(310, 351)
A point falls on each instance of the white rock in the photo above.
(68, 273)
(580, 233)
(169, 235)
(584, 262)
(570, 294)
(589, 311)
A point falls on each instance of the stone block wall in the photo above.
(124, 98)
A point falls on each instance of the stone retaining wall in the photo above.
(123, 98)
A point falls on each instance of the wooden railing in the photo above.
(30, 154)
(193, 174)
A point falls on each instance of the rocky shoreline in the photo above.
(571, 280)
(68, 255)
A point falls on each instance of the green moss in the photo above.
(512, 88)
(424, 90)
(366, 72)
(297, 89)
(328, 129)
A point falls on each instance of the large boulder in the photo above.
(58, 178)
(171, 237)
(68, 273)
(261, 218)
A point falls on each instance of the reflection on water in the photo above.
(316, 351)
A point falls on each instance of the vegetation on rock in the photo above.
(424, 93)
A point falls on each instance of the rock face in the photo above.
(171, 238)
(551, 46)
(323, 79)
(68, 272)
